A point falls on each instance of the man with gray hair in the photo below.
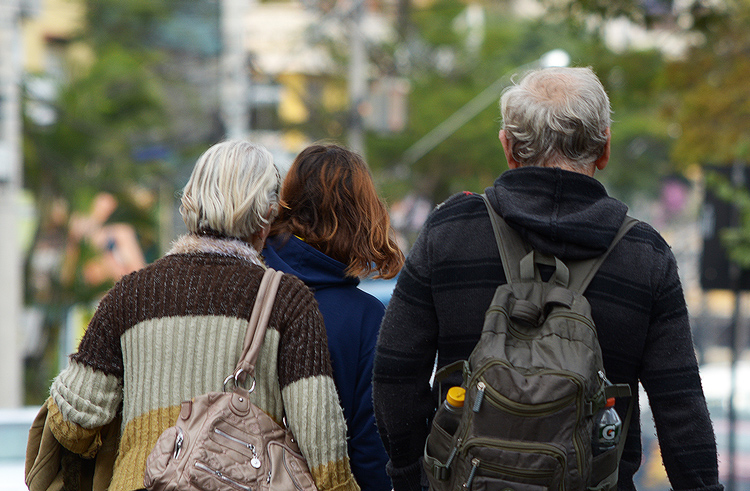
(555, 136)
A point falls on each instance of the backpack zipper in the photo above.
(222, 477)
(515, 446)
(520, 409)
(255, 461)
(473, 472)
(482, 388)
(576, 317)
(505, 471)
(565, 313)
(512, 471)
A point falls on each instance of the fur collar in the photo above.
(191, 244)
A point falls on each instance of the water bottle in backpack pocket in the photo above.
(445, 423)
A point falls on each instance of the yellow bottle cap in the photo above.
(456, 396)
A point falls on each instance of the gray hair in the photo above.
(556, 116)
(233, 187)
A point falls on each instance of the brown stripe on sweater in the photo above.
(206, 284)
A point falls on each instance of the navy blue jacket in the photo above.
(352, 320)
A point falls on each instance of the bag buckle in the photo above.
(441, 472)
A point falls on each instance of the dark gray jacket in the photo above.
(637, 303)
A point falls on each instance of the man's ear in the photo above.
(603, 160)
(512, 163)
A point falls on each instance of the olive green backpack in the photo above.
(534, 383)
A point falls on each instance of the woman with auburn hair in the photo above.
(331, 231)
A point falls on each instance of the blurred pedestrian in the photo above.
(332, 230)
(175, 328)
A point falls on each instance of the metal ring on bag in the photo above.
(235, 377)
(252, 387)
(226, 381)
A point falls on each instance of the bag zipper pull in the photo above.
(480, 395)
(474, 465)
(453, 453)
(178, 445)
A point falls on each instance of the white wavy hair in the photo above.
(556, 115)
(233, 187)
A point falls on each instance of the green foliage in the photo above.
(714, 110)
(101, 117)
(104, 112)
(472, 157)
(704, 94)
(434, 23)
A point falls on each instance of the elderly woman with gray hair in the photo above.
(175, 328)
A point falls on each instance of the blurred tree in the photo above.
(106, 110)
(710, 108)
(109, 105)
(713, 108)
(446, 71)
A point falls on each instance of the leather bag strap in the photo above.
(256, 327)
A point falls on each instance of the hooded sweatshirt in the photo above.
(352, 318)
(637, 304)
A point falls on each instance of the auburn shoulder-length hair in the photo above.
(328, 199)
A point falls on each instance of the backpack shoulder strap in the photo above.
(511, 246)
(582, 272)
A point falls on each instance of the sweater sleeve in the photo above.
(86, 395)
(404, 359)
(671, 379)
(308, 390)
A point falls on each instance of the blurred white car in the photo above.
(14, 431)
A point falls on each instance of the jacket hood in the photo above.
(314, 268)
(558, 212)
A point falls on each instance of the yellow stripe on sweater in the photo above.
(138, 439)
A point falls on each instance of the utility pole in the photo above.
(235, 79)
(357, 77)
(11, 366)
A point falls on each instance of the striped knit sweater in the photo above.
(637, 304)
(174, 330)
